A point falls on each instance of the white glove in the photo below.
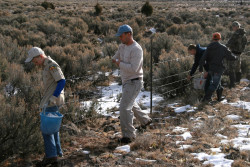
(52, 100)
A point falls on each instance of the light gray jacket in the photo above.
(131, 61)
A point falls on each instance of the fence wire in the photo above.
(177, 59)
(157, 79)
(176, 89)
(170, 83)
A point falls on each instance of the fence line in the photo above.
(81, 100)
(171, 75)
(176, 89)
(177, 59)
(171, 83)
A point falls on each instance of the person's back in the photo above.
(214, 57)
(216, 52)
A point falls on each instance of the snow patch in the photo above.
(125, 148)
(242, 141)
(217, 159)
(186, 135)
(145, 160)
(233, 117)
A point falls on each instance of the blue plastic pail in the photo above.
(50, 125)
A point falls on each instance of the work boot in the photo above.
(238, 76)
(219, 94)
(124, 140)
(208, 96)
(232, 80)
(205, 100)
(144, 126)
(48, 161)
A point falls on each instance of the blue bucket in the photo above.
(50, 122)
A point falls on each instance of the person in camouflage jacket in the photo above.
(237, 45)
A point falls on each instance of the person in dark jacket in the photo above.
(197, 52)
(214, 57)
(236, 44)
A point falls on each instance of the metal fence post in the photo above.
(151, 76)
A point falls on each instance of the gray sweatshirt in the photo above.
(131, 61)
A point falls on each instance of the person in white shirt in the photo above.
(129, 58)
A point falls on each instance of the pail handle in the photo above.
(45, 107)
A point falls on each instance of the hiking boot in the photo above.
(60, 155)
(205, 100)
(146, 124)
(124, 140)
(238, 77)
(221, 98)
(141, 128)
(48, 161)
(219, 94)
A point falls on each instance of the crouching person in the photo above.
(54, 82)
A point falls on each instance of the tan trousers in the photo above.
(129, 108)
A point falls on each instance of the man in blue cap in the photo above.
(129, 58)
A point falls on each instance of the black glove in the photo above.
(200, 69)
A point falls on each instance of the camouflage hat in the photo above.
(216, 36)
(236, 24)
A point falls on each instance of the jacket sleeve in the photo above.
(117, 55)
(195, 66)
(202, 61)
(230, 42)
(135, 62)
(59, 87)
(229, 55)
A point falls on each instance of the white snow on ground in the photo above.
(153, 30)
(185, 146)
(245, 88)
(221, 136)
(145, 160)
(244, 80)
(110, 99)
(181, 109)
(179, 129)
(242, 141)
(217, 159)
(233, 117)
(112, 94)
(186, 135)
(85, 152)
(125, 148)
(239, 104)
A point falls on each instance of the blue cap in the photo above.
(122, 29)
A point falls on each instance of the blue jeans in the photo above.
(52, 144)
(215, 81)
(213, 84)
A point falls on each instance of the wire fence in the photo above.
(170, 60)
(160, 85)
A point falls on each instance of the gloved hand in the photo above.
(52, 100)
(189, 77)
(205, 75)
